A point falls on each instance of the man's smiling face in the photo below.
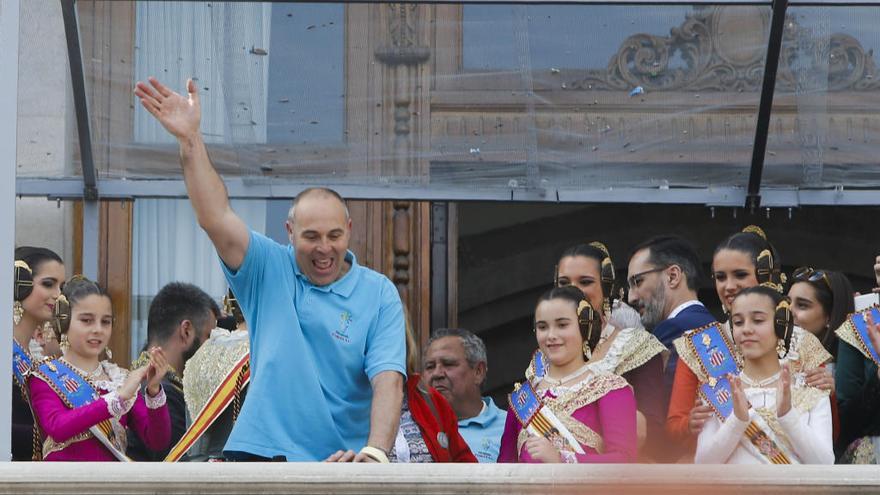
(320, 232)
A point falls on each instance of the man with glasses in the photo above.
(664, 273)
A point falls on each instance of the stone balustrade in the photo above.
(314, 478)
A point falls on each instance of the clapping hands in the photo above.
(783, 392)
(152, 374)
(156, 370)
(741, 404)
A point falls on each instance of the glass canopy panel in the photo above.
(825, 129)
(45, 135)
(474, 97)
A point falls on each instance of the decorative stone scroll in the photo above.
(723, 48)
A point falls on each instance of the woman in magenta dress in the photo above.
(82, 404)
(596, 409)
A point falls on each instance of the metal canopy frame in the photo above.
(9, 24)
(84, 130)
(751, 195)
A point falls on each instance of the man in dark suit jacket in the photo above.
(181, 318)
(664, 273)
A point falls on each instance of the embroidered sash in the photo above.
(21, 365)
(76, 391)
(223, 395)
(537, 367)
(540, 420)
(857, 328)
(759, 438)
(716, 360)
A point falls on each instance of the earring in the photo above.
(17, 312)
(587, 352)
(780, 348)
(108, 353)
(65, 343)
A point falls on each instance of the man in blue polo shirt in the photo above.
(455, 365)
(326, 334)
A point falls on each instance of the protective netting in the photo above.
(486, 97)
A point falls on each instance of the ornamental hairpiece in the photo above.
(607, 274)
(23, 278)
(754, 229)
(601, 247)
(783, 324)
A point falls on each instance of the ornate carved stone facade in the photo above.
(723, 48)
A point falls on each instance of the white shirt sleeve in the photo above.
(718, 440)
(811, 433)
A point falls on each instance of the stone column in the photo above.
(406, 131)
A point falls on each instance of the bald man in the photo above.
(326, 334)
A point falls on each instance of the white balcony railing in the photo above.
(507, 479)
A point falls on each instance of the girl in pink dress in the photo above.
(595, 409)
(84, 405)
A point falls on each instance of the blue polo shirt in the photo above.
(314, 351)
(483, 432)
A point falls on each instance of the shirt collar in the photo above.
(487, 414)
(681, 307)
(344, 286)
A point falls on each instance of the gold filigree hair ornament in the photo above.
(758, 231)
(229, 302)
(783, 324)
(23, 285)
(607, 275)
(62, 314)
(773, 274)
(590, 321)
(767, 273)
(24, 280)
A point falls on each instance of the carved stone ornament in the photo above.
(403, 49)
(722, 48)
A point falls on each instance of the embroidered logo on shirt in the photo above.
(345, 320)
(488, 450)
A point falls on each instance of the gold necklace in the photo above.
(555, 382)
(89, 375)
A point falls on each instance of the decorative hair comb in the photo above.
(601, 247)
(754, 229)
(607, 275)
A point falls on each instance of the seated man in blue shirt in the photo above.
(326, 334)
(455, 365)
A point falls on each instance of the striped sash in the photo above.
(223, 395)
(765, 445)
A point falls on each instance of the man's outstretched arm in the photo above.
(181, 117)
